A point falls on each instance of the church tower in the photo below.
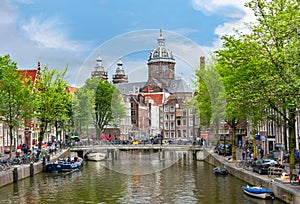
(120, 76)
(99, 71)
(161, 66)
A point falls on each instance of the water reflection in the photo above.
(186, 181)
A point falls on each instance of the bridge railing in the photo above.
(114, 143)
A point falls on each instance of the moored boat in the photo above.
(95, 156)
(221, 171)
(258, 192)
(64, 165)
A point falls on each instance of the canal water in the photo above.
(186, 181)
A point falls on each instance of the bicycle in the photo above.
(294, 179)
(245, 164)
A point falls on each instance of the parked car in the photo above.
(262, 166)
(222, 149)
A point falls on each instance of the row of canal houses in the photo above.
(157, 107)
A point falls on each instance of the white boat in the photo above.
(95, 156)
(258, 192)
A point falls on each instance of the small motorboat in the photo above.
(64, 165)
(258, 192)
(95, 156)
(220, 171)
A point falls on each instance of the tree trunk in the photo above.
(11, 139)
(233, 143)
(292, 140)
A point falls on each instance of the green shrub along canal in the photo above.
(186, 181)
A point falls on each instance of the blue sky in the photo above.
(61, 33)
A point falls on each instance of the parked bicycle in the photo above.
(245, 164)
(294, 179)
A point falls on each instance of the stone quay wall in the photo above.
(281, 191)
(18, 172)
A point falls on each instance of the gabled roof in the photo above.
(179, 86)
(30, 74)
(71, 89)
(157, 99)
(130, 88)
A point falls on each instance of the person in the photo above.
(261, 153)
(243, 154)
(296, 156)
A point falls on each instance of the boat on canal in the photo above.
(258, 192)
(220, 171)
(64, 165)
(95, 156)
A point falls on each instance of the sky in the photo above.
(71, 33)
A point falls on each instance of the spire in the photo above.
(161, 40)
(119, 64)
(99, 60)
(99, 70)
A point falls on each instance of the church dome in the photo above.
(161, 53)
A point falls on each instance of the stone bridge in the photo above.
(113, 151)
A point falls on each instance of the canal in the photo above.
(185, 181)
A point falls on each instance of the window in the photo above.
(166, 108)
(184, 133)
(178, 122)
(172, 117)
(172, 135)
(184, 122)
(133, 112)
(191, 111)
(166, 117)
(191, 121)
(172, 108)
(166, 135)
(133, 122)
(178, 133)
(172, 125)
(166, 125)
(131, 104)
(184, 113)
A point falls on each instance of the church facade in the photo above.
(156, 106)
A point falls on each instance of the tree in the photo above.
(52, 100)
(84, 104)
(210, 97)
(15, 96)
(83, 109)
(62, 103)
(108, 107)
(263, 65)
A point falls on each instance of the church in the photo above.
(156, 106)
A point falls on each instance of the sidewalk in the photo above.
(271, 178)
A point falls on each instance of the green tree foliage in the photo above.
(108, 107)
(84, 105)
(210, 97)
(83, 109)
(261, 69)
(15, 95)
(99, 103)
(52, 100)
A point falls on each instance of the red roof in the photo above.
(71, 89)
(157, 98)
(29, 74)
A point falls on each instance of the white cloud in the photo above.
(234, 10)
(7, 13)
(48, 34)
